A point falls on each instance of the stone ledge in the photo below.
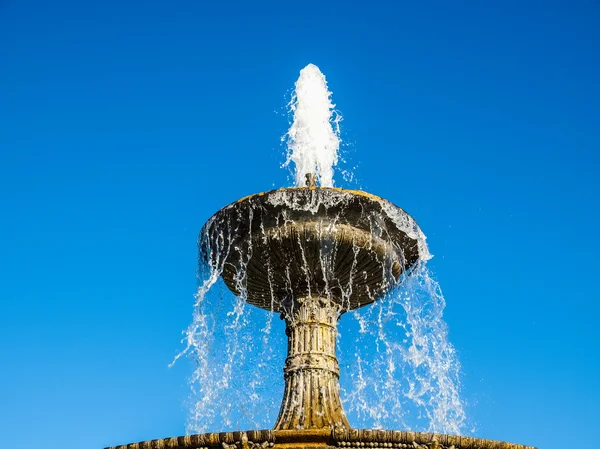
(322, 438)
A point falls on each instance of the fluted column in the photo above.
(311, 398)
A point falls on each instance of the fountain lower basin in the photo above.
(323, 438)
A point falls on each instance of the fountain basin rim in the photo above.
(333, 438)
(335, 189)
(423, 250)
(424, 254)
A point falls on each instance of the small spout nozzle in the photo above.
(311, 180)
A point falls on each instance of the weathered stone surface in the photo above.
(322, 439)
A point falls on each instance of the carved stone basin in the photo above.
(348, 246)
(324, 439)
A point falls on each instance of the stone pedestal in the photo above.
(311, 397)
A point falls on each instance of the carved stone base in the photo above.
(322, 439)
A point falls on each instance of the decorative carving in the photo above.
(311, 398)
(245, 443)
(337, 437)
(383, 439)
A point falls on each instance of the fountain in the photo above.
(312, 253)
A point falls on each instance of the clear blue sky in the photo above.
(124, 126)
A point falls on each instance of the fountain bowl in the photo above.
(349, 246)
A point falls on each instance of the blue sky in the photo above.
(124, 126)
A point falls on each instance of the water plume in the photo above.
(313, 139)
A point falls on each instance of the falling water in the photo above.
(313, 140)
(402, 372)
(237, 357)
(398, 369)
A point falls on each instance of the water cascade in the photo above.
(319, 256)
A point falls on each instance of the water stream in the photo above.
(401, 370)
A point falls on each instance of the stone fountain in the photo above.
(311, 254)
